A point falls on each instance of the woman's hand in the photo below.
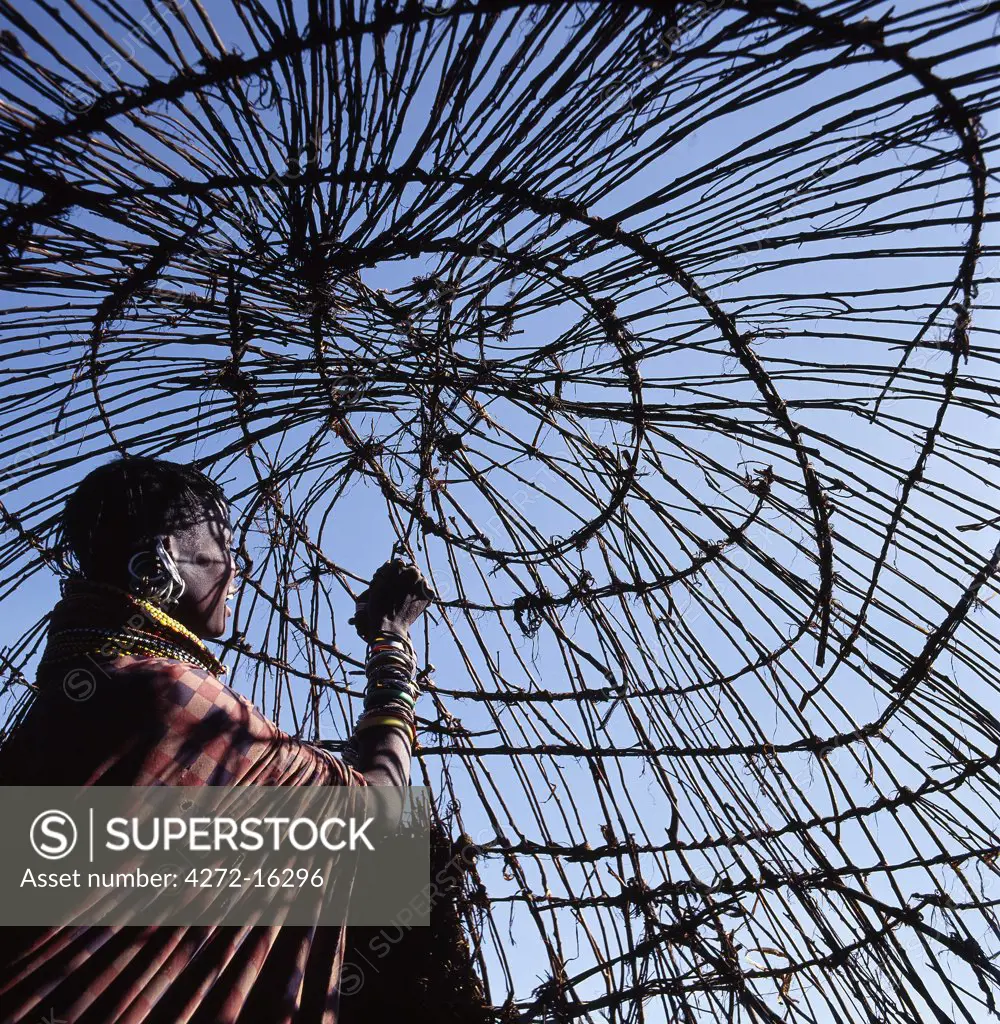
(396, 597)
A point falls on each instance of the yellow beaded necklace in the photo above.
(104, 624)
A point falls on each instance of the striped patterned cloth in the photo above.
(156, 721)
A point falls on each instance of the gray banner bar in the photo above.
(214, 855)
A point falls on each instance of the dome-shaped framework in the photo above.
(662, 336)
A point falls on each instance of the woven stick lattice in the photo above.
(662, 336)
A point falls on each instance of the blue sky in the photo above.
(799, 312)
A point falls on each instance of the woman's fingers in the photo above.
(396, 580)
(417, 583)
(396, 567)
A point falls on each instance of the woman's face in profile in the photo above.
(205, 561)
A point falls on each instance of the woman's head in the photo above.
(156, 528)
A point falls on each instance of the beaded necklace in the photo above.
(100, 620)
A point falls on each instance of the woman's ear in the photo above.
(165, 551)
(153, 574)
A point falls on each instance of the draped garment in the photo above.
(147, 721)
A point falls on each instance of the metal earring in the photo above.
(177, 584)
(154, 576)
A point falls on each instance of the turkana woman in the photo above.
(127, 694)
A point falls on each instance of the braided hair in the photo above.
(122, 506)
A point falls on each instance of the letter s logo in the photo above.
(53, 834)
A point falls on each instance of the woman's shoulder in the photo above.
(187, 680)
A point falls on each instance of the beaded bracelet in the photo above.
(389, 672)
(391, 693)
(383, 644)
(394, 682)
(384, 693)
(395, 675)
(391, 669)
(386, 720)
(393, 710)
(378, 667)
(376, 686)
(396, 668)
(390, 648)
(351, 755)
(374, 700)
(391, 707)
(380, 661)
